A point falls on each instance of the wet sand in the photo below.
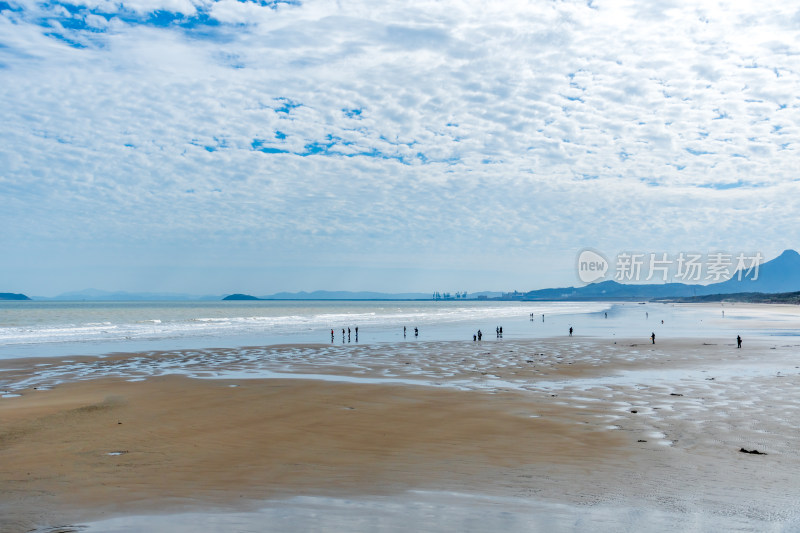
(578, 421)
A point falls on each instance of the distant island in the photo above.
(240, 297)
(12, 296)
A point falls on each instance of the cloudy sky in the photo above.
(209, 146)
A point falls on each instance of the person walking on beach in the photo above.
(331, 334)
(474, 337)
(570, 331)
(653, 337)
(738, 341)
(480, 335)
(404, 332)
(416, 332)
(501, 331)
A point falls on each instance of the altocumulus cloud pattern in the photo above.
(399, 133)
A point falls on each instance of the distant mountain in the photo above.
(346, 295)
(96, 295)
(780, 275)
(613, 290)
(363, 295)
(12, 296)
(744, 297)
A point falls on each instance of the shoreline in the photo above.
(162, 328)
(562, 357)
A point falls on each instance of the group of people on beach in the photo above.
(499, 332)
(348, 334)
(416, 332)
(479, 335)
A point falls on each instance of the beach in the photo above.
(577, 433)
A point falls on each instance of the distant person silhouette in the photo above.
(570, 331)
(416, 332)
(404, 332)
(653, 337)
(474, 337)
(738, 341)
(331, 334)
(480, 335)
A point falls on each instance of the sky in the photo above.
(210, 147)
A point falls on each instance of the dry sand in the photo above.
(580, 430)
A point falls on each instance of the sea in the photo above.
(54, 329)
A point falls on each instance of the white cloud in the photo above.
(434, 133)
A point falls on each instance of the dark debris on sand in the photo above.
(752, 452)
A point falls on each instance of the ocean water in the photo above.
(39, 329)
(30, 329)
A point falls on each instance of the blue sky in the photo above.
(237, 146)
